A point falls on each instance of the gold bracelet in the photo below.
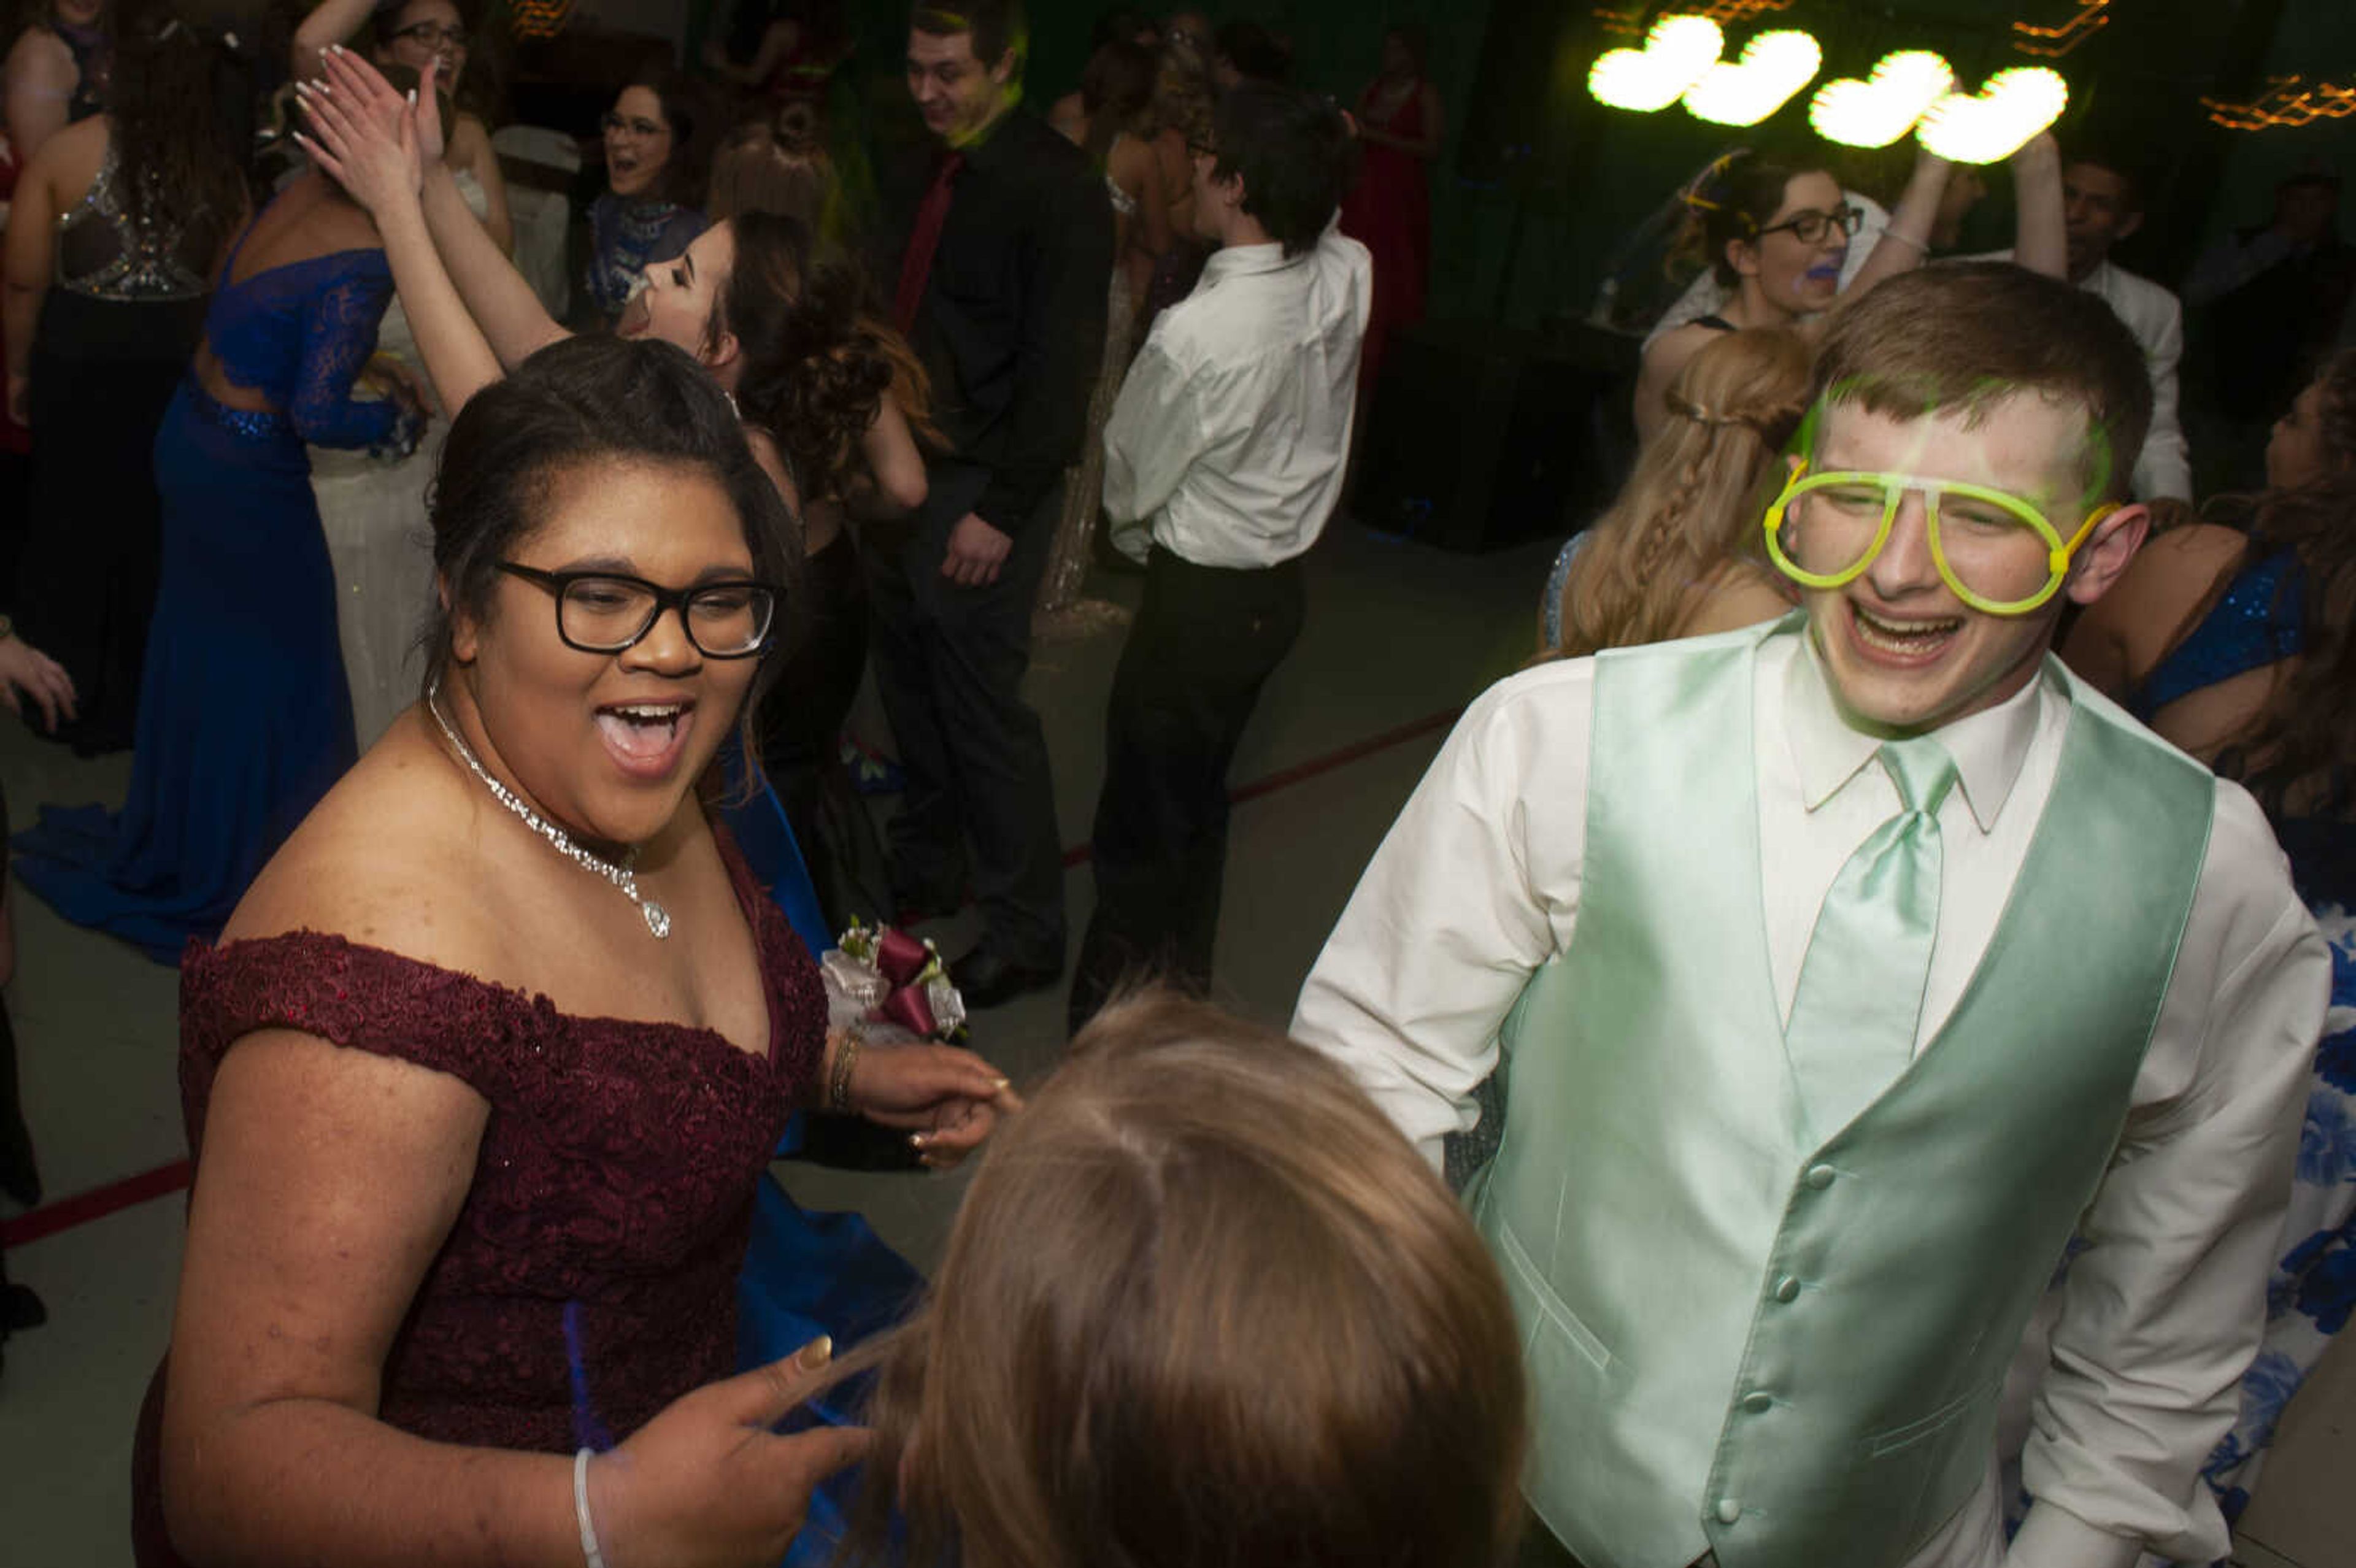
(846, 1057)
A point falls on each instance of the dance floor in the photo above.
(1398, 637)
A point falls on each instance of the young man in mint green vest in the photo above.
(1836, 975)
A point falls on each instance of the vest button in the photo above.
(1787, 1289)
(1821, 1175)
(1759, 1403)
(1728, 1511)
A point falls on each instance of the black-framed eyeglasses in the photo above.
(1809, 227)
(433, 35)
(607, 611)
(616, 125)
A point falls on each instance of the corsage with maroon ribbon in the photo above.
(883, 981)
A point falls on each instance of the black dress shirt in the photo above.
(1012, 324)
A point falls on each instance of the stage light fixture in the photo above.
(1880, 109)
(1772, 68)
(1990, 126)
(1676, 53)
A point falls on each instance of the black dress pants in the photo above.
(949, 662)
(1204, 642)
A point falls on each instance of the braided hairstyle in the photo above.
(2298, 754)
(817, 362)
(1692, 506)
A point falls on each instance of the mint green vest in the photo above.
(1798, 1348)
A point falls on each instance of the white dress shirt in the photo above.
(1478, 885)
(2157, 319)
(1227, 443)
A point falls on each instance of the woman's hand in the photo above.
(27, 674)
(364, 87)
(373, 158)
(949, 1099)
(706, 1482)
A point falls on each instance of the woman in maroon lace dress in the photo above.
(484, 1072)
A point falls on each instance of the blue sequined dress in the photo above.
(2259, 621)
(244, 718)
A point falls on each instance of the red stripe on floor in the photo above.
(83, 1207)
(1301, 773)
(95, 1204)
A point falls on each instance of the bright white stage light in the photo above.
(1878, 110)
(1773, 66)
(1990, 126)
(1676, 53)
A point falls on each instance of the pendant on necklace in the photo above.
(657, 918)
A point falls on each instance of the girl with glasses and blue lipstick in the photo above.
(1775, 228)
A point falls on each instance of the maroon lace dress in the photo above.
(591, 1277)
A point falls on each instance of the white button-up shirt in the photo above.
(1478, 885)
(1227, 443)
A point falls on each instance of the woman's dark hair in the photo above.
(815, 362)
(1414, 37)
(687, 172)
(2298, 754)
(180, 160)
(586, 401)
(1296, 155)
(1735, 199)
(1116, 88)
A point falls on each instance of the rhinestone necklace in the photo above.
(622, 876)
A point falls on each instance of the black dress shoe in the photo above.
(985, 979)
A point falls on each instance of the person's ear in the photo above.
(2105, 556)
(2128, 225)
(465, 632)
(1003, 71)
(1744, 257)
(720, 351)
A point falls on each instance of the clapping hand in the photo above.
(371, 139)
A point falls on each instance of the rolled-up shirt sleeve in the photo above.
(1475, 887)
(2162, 1311)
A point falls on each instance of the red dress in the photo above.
(591, 1277)
(1390, 212)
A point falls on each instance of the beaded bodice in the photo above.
(2256, 624)
(113, 247)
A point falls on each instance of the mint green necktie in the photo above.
(1868, 959)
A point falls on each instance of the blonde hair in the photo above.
(1694, 501)
(1203, 1305)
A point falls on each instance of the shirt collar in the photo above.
(1989, 747)
(1240, 261)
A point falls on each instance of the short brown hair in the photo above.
(1205, 1306)
(1968, 335)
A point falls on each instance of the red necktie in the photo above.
(916, 266)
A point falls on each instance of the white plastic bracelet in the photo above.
(589, 1553)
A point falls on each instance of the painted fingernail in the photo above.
(1002, 1083)
(918, 1140)
(818, 1352)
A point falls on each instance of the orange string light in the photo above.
(2288, 100)
(1627, 21)
(2052, 43)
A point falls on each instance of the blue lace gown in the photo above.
(2313, 1289)
(244, 718)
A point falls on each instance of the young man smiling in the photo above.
(1842, 974)
(1001, 289)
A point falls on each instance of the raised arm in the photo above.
(383, 175)
(1907, 241)
(2042, 240)
(510, 315)
(329, 23)
(39, 87)
(778, 41)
